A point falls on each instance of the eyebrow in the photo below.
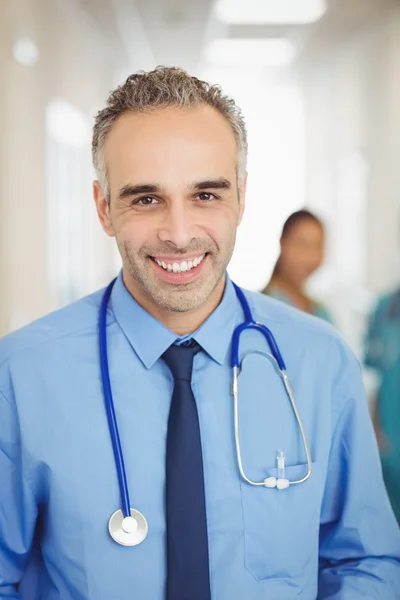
(151, 188)
(134, 190)
(214, 184)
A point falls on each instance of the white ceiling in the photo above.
(151, 32)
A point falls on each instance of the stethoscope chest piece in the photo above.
(128, 531)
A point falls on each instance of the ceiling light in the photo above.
(269, 12)
(276, 52)
(25, 52)
(67, 124)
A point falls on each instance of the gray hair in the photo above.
(163, 88)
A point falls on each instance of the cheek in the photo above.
(223, 222)
(315, 257)
(221, 230)
(292, 257)
(133, 233)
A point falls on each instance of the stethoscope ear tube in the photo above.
(269, 482)
(276, 357)
(251, 324)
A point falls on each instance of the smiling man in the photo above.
(120, 405)
(173, 195)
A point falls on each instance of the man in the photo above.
(170, 155)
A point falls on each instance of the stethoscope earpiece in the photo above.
(270, 482)
(273, 482)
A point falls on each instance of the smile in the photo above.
(180, 267)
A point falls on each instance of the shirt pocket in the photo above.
(281, 528)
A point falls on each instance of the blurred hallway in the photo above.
(321, 96)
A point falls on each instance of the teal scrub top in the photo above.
(319, 309)
(383, 355)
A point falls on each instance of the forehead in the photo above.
(171, 141)
(307, 228)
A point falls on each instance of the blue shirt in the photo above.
(332, 537)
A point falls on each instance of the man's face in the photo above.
(174, 204)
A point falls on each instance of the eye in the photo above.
(206, 196)
(145, 201)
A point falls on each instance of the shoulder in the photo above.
(272, 290)
(312, 336)
(322, 311)
(314, 346)
(50, 331)
(386, 306)
(387, 300)
(267, 309)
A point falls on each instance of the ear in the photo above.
(103, 208)
(242, 198)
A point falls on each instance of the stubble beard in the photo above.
(176, 297)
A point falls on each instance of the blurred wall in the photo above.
(352, 105)
(75, 64)
(350, 86)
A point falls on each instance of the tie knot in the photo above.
(180, 360)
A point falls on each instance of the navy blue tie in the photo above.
(187, 541)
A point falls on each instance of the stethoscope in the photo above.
(128, 526)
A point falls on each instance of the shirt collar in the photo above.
(150, 338)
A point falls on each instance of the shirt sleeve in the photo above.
(18, 510)
(359, 536)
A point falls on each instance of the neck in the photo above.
(287, 284)
(181, 323)
(294, 291)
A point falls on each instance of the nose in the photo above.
(177, 227)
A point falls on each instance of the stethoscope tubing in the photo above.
(250, 323)
(112, 420)
(276, 356)
(109, 404)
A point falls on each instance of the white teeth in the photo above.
(180, 267)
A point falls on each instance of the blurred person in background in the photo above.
(383, 357)
(302, 250)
